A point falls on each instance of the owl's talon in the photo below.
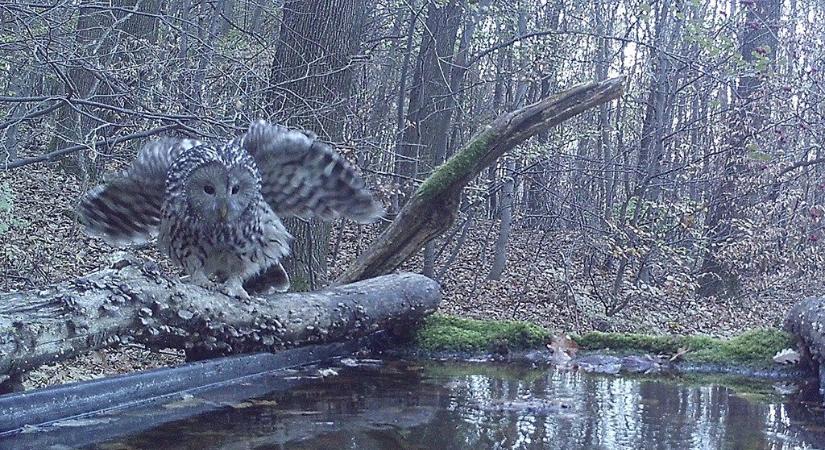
(234, 288)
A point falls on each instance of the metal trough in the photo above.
(130, 403)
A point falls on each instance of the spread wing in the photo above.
(304, 177)
(126, 209)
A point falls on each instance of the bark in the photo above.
(509, 187)
(605, 146)
(432, 208)
(312, 72)
(492, 191)
(210, 28)
(440, 146)
(19, 82)
(402, 91)
(102, 29)
(133, 301)
(92, 37)
(536, 202)
(438, 76)
(307, 261)
(658, 107)
(458, 245)
(539, 203)
(376, 124)
(142, 26)
(539, 181)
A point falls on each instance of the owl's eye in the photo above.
(235, 189)
(209, 189)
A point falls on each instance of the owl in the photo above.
(216, 208)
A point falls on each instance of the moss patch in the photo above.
(457, 166)
(446, 333)
(453, 334)
(752, 347)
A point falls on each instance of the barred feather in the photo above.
(127, 208)
(120, 213)
(304, 177)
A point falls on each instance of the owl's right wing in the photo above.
(126, 208)
(302, 176)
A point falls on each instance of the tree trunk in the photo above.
(604, 23)
(658, 107)
(758, 41)
(92, 37)
(508, 190)
(311, 79)
(446, 109)
(401, 162)
(500, 251)
(99, 32)
(210, 28)
(428, 114)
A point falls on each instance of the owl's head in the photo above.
(219, 194)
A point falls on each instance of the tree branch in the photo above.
(53, 156)
(799, 165)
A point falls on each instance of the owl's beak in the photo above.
(223, 212)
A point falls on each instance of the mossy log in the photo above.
(433, 207)
(133, 301)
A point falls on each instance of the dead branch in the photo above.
(432, 209)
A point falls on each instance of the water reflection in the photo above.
(475, 406)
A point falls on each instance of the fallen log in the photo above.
(432, 209)
(133, 302)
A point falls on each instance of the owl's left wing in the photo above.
(304, 177)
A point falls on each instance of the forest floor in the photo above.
(45, 244)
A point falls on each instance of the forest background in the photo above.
(692, 204)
